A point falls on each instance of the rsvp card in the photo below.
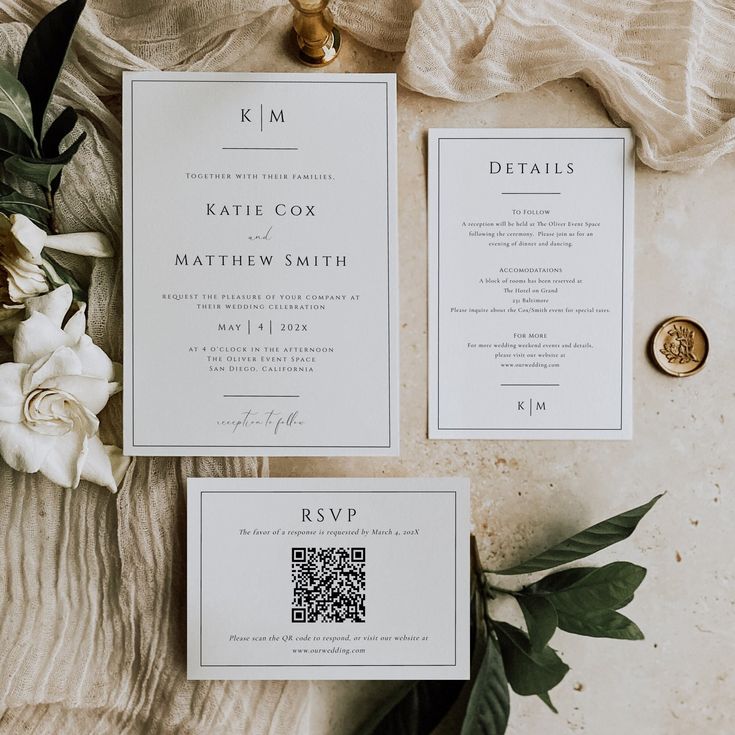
(260, 264)
(531, 293)
(328, 579)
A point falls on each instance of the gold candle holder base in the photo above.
(316, 37)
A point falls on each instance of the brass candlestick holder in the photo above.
(317, 38)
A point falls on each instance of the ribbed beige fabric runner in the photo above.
(92, 586)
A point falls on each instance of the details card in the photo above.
(328, 579)
(260, 264)
(531, 293)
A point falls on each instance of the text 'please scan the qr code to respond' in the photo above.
(328, 585)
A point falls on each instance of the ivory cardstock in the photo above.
(260, 264)
(328, 578)
(531, 283)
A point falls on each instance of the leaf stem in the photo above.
(500, 590)
(51, 204)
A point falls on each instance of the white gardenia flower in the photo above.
(20, 275)
(21, 259)
(51, 395)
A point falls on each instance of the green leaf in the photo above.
(57, 275)
(478, 629)
(42, 171)
(586, 598)
(5, 189)
(420, 707)
(601, 624)
(540, 617)
(68, 153)
(44, 54)
(13, 202)
(419, 711)
(489, 705)
(564, 579)
(593, 539)
(37, 172)
(606, 588)
(528, 672)
(12, 139)
(546, 699)
(57, 131)
(15, 103)
(559, 580)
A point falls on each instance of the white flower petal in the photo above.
(63, 463)
(116, 384)
(22, 448)
(95, 244)
(77, 324)
(11, 391)
(63, 361)
(29, 238)
(97, 467)
(50, 395)
(36, 337)
(54, 304)
(95, 361)
(25, 279)
(92, 393)
(119, 463)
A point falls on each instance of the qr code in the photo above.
(328, 585)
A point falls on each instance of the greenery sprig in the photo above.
(581, 600)
(29, 150)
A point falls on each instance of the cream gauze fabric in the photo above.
(92, 586)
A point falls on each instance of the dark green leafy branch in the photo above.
(29, 151)
(13, 202)
(580, 600)
(595, 538)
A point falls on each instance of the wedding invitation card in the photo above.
(531, 293)
(328, 579)
(260, 264)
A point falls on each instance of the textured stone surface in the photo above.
(680, 680)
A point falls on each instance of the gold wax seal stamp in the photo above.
(680, 346)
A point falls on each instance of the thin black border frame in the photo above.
(202, 493)
(438, 277)
(390, 168)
